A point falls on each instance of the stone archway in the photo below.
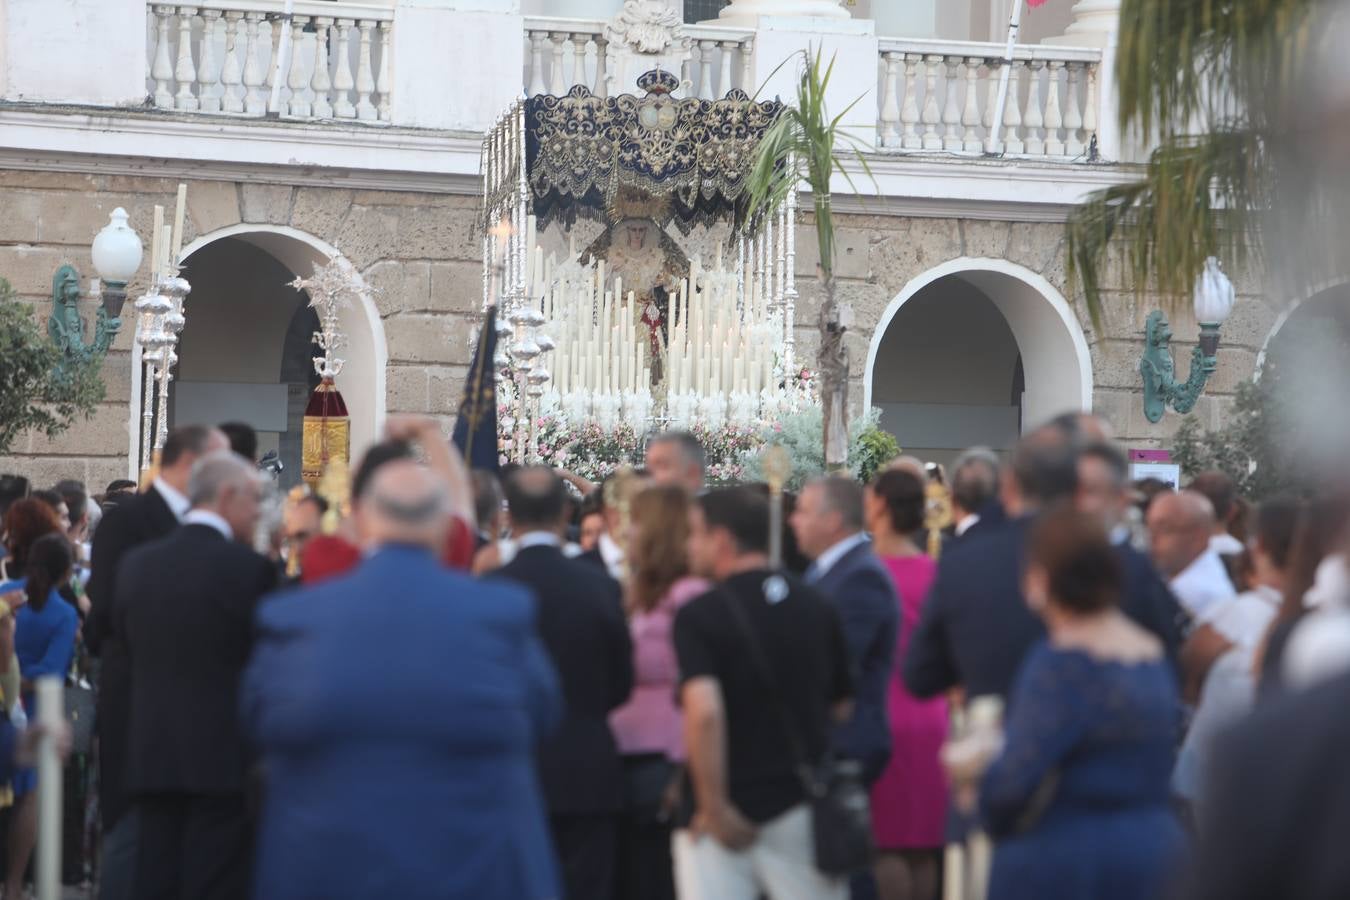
(362, 380)
(975, 351)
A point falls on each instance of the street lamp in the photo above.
(117, 252)
(1213, 298)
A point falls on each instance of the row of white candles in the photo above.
(603, 344)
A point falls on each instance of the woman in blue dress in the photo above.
(44, 642)
(1078, 799)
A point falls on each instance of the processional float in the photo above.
(631, 332)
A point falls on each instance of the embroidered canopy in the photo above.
(610, 158)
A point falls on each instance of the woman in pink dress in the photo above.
(648, 727)
(909, 800)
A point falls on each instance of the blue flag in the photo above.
(476, 427)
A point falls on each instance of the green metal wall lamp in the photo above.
(117, 254)
(1214, 297)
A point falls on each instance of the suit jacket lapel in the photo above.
(162, 519)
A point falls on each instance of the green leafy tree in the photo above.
(37, 391)
(802, 143)
(1218, 88)
(869, 448)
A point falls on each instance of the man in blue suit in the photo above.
(396, 710)
(828, 523)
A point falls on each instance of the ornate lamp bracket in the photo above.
(1161, 388)
(66, 328)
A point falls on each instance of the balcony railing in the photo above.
(561, 53)
(241, 57)
(940, 97)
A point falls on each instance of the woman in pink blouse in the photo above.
(909, 800)
(647, 727)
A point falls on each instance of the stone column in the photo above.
(747, 12)
(1094, 24)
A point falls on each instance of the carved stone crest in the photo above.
(645, 26)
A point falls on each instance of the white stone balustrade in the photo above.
(225, 56)
(562, 53)
(940, 96)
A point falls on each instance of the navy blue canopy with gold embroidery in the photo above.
(609, 158)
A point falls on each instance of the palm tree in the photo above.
(1215, 86)
(801, 144)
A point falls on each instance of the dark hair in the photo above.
(743, 512)
(1147, 490)
(1110, 455)
(26, 521)
(121, 485)
(1084, 571)
(50, 560)
(690, 447)
(76, 497)
(51, 498)
(378, 455)
(975, 479)
(905, 498)
(1045, 467)
(184, 441)
(1320, 531)
(592, 505)
(243, 439)
(319, 503)
(1275, 523)
(487, 496)
(536, 496)
(844, 496)
(12, 488)
(1220, 491)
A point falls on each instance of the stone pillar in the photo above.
(457, 63)
(748, 12)
(1094, 24)
(88, 52)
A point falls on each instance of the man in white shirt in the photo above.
(1221, 493)
(1179, 528)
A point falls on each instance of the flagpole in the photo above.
(1005, 74)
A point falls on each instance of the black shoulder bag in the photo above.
(841, 819)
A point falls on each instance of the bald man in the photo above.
(396, 709)
(1179, 527)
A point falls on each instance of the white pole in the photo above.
(284, 51)
(50, 713)
(996, 123)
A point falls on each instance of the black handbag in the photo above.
(647, 782)
(841, 817)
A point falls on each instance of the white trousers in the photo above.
(780, 863)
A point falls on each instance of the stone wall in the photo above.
(878, 255)
(422, 251)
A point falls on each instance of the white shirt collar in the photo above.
(1225, 545)
(612, 554)
(831, 556)
(178, 504)
(1120, 534)
(967, 523)
(208, 518)
(1203, 584)
(537, 539)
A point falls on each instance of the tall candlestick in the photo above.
(179, 209)
(156, 235)
(165, 246)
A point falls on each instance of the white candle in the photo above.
(178, 211)
(51, 712)
(738, 374)
(166, 246)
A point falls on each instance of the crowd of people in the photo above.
(523, 685)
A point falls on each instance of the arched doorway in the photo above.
(975, 351)
(246, 351)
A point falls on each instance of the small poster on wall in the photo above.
(1155, 464)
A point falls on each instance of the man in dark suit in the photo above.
(975, 505)
(396, 708)
(582, 623)
(1275, 807)
(185, 613)
(828, 523)
(976, 627)
(135, 520)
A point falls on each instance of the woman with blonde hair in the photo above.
(647, 727)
